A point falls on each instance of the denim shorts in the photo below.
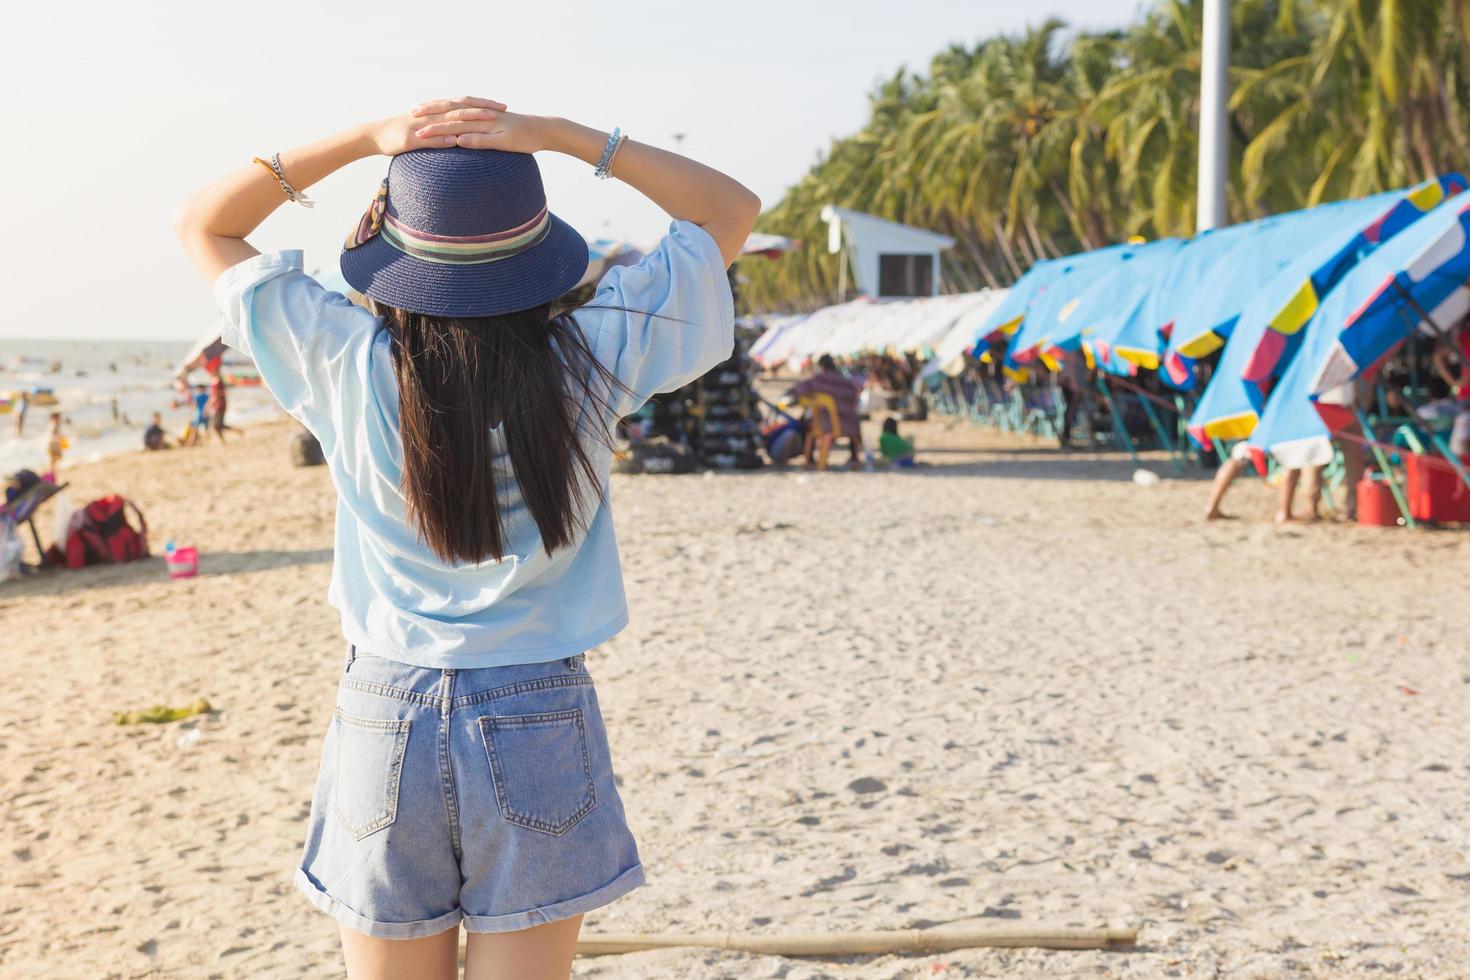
(479, 796)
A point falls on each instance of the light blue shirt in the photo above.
(329, 363)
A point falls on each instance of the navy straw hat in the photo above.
(461, 232)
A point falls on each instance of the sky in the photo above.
(114, 112)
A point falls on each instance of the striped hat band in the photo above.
(448, 249)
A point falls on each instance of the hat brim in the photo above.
(536, 276)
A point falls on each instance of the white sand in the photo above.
(1015, 688)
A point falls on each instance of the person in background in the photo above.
(20, 413)
(894, 447)
(216, 405)
(845, 394)
(1286, 494)
(199, 425)
(1076, 392)
(154, 436)
(56, 444)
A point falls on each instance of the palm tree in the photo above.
(1029, 146)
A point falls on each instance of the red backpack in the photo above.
(101, 534)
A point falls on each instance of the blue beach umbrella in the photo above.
(1115, 293)
(1007, 317)
(1126, 344)
(1061, 296)
(1121, 283)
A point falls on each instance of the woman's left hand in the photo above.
(400, 134)
(480, 124)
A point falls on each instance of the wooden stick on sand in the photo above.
(866, 943)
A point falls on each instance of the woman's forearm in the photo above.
(213, 222)
(687, 190)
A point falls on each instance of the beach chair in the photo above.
(22, 510)
(817, 404)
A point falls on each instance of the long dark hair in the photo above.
(533, 374)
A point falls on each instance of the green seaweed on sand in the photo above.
(161, 713)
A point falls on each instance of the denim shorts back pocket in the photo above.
(369, 768)
(540, 769)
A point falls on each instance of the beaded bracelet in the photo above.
(292, 194)
(603, 170)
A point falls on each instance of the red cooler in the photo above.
(1435, 490)
(1376, 506)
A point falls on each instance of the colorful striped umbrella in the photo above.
(1230, 405)
(1417, 279)
(1274, 344)
(1430, 292)
(1203, 326)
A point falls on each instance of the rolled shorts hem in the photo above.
(372, 927)
(613, 890)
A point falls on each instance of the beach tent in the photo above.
(845, 333)
(1231, 403)
(1416, 280)
(934, 319)
(949, 350)
(807, 334)
(775, 326)
(866, 327)
(1007, 316)
(905, 326)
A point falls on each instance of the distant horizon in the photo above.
(191, 92)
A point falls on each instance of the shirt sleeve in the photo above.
(662, 322)
(297, 332)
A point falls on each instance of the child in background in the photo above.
(894, 447)
(154, 437)
(56, 444)
(199, 425)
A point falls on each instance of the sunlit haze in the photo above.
(114, 112)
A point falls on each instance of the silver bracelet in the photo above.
(603, 170)
(292, 194)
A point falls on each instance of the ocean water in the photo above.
(106, 391)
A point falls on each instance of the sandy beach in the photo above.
(1012, 688)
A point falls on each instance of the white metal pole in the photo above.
(1213, 142)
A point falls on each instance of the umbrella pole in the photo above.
(866, 943)
(1164, 440)
(1384, 467)
(1119, 429)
